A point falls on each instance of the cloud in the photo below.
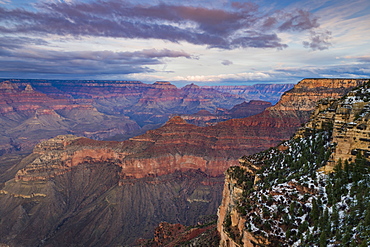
(5, 1)
(329, 71)
(18, 42)
(247, 76)
(241, 26)
(297, 21)
(319, 40)
(361, 59)
(364, 59)
(39, 61)
(226, 62)
(287, 74)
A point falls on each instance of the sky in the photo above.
(206, 42)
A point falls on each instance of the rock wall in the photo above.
(35, 110)
(110, 193)
(179, 146)
(28, 116)
(85, 206)
(243, 110)
(266, 92)
(230, 224)
(349, 120)
(346, 118)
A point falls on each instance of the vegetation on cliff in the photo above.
(294, 200)
(294, 204)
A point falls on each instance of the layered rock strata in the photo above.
(266, 92)
(146, 104)
(167, 234)
(245, 109)
(110, 193)
(34, 110)
(28, 116)
(258, 208)
(178, 146)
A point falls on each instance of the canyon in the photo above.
(114, 192)
(35, 110)
(28, 116)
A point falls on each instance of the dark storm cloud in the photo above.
(240, 26)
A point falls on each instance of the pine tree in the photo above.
(346, 238)
(324, 221)
(367, 216)
(364, 243)
(335, 217)
(315, 212)
(322, 241)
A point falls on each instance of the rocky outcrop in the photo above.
(111, 193)
(348, 119)
(205, 118)
(271, 198)
(28, 116)
(146, 104)
(113, 110)
(231, 224)
(167, 234)
(178, 146)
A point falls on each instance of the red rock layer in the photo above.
(205, 118)
(178, 146)
(28, 116)
(171, 235)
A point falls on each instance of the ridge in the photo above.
(306, 191)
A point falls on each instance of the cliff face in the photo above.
(28, 116)
(110, 193)
(166, 234)
(308, 91)
(34, 110)
(174, 147)
(92, 206)
(245, 109)
(348, 118)
(231, 223)
(266, 92)
(300, 193)
(146, 104)
(279, 122)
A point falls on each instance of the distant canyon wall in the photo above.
(110, 192)
(34, 110)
